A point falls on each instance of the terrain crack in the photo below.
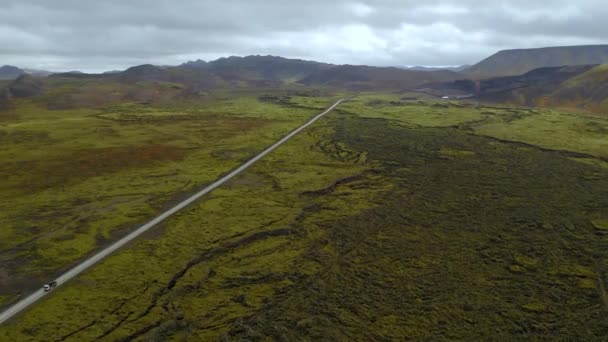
(113, 311)
(565, 153)
(204, 257)
(331, 188)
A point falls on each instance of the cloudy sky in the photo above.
(95, 35)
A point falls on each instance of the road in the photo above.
(36, 296)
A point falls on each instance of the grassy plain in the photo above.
(389, 219)
(75, 179)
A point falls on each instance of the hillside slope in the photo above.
(588, 90)
(582, 87)
(367, 78)
(259, 68)
(271, 71)
(520, 61)
(575, 87)
(9, 72)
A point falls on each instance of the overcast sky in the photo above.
(99, 35)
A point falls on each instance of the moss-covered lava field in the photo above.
(392, 218)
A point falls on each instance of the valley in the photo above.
(364, 226)
(262, 198)
(263, 171)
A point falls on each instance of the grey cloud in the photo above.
(110, 34)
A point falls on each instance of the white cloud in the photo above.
(69, 34)
(361, 10)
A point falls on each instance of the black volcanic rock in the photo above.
(26, 86)
(5, 99)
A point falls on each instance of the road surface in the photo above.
(36, 296)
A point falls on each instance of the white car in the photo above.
(48, 287)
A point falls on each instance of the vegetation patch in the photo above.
(89, 180)
(379, 222)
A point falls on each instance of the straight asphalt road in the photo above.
(36, 296)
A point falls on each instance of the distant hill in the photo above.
(144, 72)
(272, 71)
(517, 62)
(366, 77)
(26, 86)
(588, 90)
(580, 87)
(526, 89)
(276, 71)
(9, 72)
(259, 68)
(197, 64)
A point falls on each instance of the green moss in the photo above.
(587, 284)
(553, 130)
(94, 174)
(455, 153)
(525, 261)
(517, 269)
(536, 307)
(601, 224)
(594, 162)
(430, 114)
(575, 271)
(383, 221)
(438, 248)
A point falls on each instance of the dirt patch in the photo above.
(88, 163)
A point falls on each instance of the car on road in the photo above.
(48, 287)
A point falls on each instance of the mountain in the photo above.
(588, 90)
(197, 64)
(365, 77)
(526, 89)
(198, 76)
(259, 68)
(517, 62)
(272, 71)
(9, 72)
(581, 87)
(145, 72)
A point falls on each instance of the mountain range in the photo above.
(582, 87)
(272, 71)
(9, 72)
(561, 76)
(518, 62)
(284, 70)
